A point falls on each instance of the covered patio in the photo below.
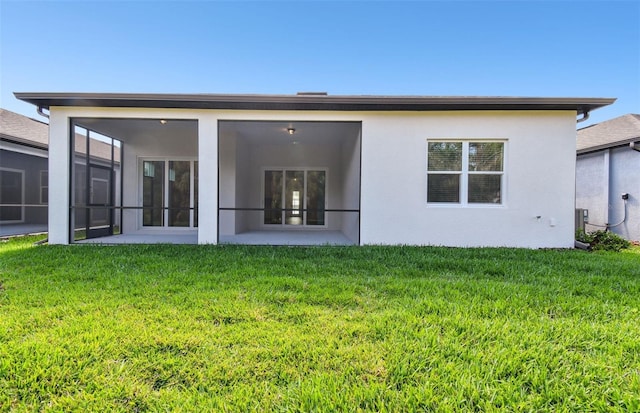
(289, 182)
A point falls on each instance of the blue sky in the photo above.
(499, 48)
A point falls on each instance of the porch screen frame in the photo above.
(85, 160)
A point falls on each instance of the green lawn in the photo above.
(205, 328)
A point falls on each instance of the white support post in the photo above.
(59, 179)
(208, 180)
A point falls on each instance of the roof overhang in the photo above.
(311, 102)
(610, 145)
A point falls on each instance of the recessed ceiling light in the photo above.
(163, 121)
(291, 131)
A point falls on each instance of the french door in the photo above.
(295, 197)
(169, 193)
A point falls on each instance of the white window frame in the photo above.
(465, 172)
(304, 197)
(44, 184)
(165, 213)
(22, 200)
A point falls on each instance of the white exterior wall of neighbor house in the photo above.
(592, 187)
(625, 178)
(539, 170)
(601, 179)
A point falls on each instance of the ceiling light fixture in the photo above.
(291, 131)
(163, 121)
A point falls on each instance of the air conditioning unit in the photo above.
(582, 217)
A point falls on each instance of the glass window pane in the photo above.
(485, 156)
(294, 192)
(485, 189)
(11, 193)
(179, 193)
(273, 197)
(153, 193)
(443, 188)
(315, 197)
(445, 156)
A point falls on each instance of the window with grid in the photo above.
(465, 172)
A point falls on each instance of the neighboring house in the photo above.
(608, 166)
(24, 180)
(313, 168)
(23, 174)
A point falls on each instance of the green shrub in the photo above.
(602, 240)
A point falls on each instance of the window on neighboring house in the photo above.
(465, 172)
(44, 187)
(11, 195)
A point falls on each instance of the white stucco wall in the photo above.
(59, 178)
(540, 165)
(540, 173)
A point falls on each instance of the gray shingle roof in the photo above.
(19, 128)
(31, 132)
(613, 132)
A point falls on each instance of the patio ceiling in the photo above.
(125, 129)
(276, 132)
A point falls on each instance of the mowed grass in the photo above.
(237, 328)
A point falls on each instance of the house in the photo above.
(23, 174)
(608, 175)
(24, 181)
(313, 168)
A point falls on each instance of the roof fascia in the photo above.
(311, 102)
(611, 145)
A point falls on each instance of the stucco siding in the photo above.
(591, 186)
(601, 179)
(539, 172)
(540, 162)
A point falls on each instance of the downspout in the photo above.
(585, 116)
(41, 112)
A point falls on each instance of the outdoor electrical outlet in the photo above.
(625, 196)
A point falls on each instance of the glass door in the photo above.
(100, 202)
(303, 194)
(272, 197)
(294, 196)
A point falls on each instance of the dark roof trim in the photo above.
(22, 142)
(310, 102)
(610, 145)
